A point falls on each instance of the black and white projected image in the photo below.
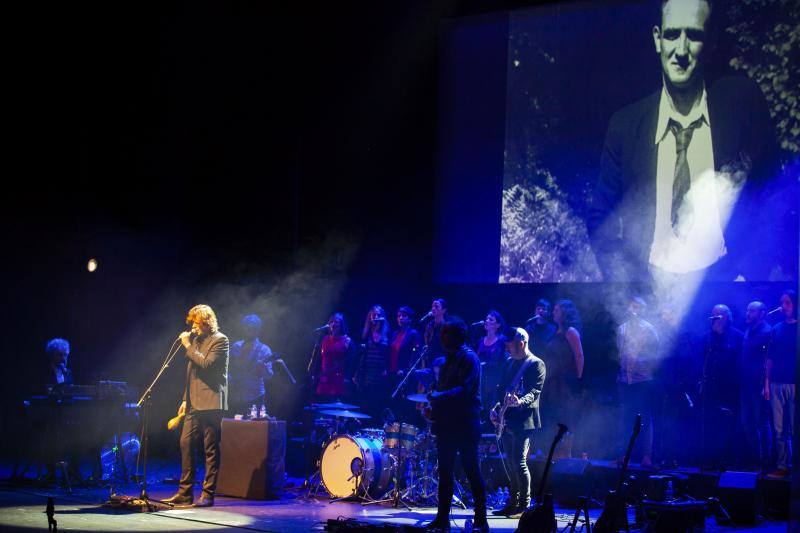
(645, 140)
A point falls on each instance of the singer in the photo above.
(334, 368)
(371, 376)
(204, 399)
(638, 348)
(491, 350)
(719, 351)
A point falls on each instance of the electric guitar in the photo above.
(615, 515)
(500, 410)
(541, 516)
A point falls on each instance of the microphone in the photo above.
(715, 317)
(534, 317)
(321, 328)
(774, 311)
(426, 317)
(478, 323)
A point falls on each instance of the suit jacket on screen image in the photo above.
(621, 217)
(207, 373)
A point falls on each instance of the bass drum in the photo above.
(351, 464)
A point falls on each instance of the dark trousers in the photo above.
(638, 398)
(755, 420)
(516, 445)
(448, 444)
(208, 426)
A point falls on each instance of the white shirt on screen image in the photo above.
(704, 242)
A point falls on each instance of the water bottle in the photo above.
(262, 413)
(669, 495)
(254, 412)
(506, 495)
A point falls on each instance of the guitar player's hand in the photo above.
(513, 400)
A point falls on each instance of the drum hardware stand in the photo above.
(313, 483)
(357, 478)
(394, 495)
(314, 480)
(583, 506)
(424, 493)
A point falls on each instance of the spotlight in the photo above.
(91, 266)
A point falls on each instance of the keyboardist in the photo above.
(57, 372)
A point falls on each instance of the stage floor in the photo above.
(22, 509)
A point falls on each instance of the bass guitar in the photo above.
(541, 516)
(615, 514)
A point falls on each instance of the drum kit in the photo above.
(395, 464)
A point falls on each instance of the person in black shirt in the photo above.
(718, 387)
(779, 384)
(540, 329)
(754, 409)
(371, 375)
(521, 384)
(432, 333)
(455, 412)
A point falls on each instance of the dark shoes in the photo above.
(439, 525)
(480, 526)
(178, 499)
(521, 508)
(206, 500)
(507, 509)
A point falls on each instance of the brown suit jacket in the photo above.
(207, 373)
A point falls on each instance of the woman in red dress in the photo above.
(335, 360)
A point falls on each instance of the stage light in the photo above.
(91, 266)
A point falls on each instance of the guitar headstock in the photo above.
(562, 429)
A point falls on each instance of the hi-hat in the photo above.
(420, 398)
(344, 413)
(335, 405)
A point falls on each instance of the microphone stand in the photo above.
(410, 371)
(144, 502)
(307, 415)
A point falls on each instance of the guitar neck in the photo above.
(636, 428)
(561, 430)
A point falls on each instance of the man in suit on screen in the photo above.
(682, 170)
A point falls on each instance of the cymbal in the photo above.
(335, 405)
(421, 398)
(344, 413)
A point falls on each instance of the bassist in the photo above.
(516, 415)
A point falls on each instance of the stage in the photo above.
(22, 507)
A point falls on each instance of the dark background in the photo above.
(279, 159)
(259, 157)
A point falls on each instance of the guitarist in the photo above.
(517, 415)
(455, 412)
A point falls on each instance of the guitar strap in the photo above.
(518, 377)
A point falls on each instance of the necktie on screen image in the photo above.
(681, 215)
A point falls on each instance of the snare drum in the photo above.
(349, 464)
(392, 432)
(371, 433)
(408, 437)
